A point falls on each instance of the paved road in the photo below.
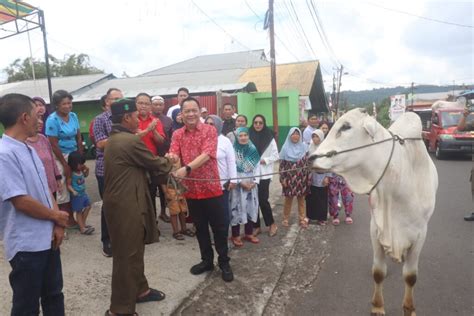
(446, 275)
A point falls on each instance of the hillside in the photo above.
(366, 97)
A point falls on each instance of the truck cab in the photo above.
(442, 135)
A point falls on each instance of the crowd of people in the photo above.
(208, 171)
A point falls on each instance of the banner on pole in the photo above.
(397, 106)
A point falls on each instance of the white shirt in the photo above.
(270, 156)
(226, 159)
(171, 109)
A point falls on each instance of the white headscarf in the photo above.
(313, 146)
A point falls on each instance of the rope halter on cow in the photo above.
(394, 139)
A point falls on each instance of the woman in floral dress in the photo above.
(295, 183)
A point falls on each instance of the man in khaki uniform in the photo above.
(131, 219)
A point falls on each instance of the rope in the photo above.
(239, 178)
(394, 139)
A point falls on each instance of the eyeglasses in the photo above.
(258, 123)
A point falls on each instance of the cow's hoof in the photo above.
(377, 311)
(408, 311)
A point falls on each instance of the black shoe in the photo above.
(107, 250)
(469, 218)
(227, 274)
(202, 267)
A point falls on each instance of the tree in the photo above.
(71, 65)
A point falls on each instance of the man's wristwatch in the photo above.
(188, 169)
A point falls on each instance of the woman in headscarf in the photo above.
(317, 199)
(244, 198)
(225, 161)
(177, 120)
(294, 176)
(240, 121)
(264, 140)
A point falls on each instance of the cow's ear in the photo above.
(370, 126)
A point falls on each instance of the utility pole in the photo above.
(338, 90)
(46, 57)
(412, 95)
(273, 69)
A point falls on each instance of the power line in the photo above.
(276, 35)
(323, 40)
(419, 16)
(219, 26)
(323, 31)
(301, 26)
(296, 38)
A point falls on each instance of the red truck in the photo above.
(440, 132)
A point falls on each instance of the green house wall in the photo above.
(254, 103)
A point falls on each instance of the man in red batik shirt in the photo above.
(195, 146)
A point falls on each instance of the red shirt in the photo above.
(148, 138)
(190, 144)
(91, 132)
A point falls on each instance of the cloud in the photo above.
(376, 46)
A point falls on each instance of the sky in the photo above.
(379, 43)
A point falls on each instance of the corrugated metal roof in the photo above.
(206, 81)
(299, 76)
(434, 96)
(238, 60)
(40, 87)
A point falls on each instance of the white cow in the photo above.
(403, 200)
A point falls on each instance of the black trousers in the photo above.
(317, 203)
(104, 231)
(35, 277)
(162, 198)
(263, 195)
(155, 187)
(211, 212)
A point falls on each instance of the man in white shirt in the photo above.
(183, 93)
(313, 124)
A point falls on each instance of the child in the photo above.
(338, 184)
(317, 200)
(294, 175)
(76, 185)
(177, 206)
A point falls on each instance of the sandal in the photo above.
(88, 230)
(273, 230)
(285, 223)
(74, 226)
(348, 220)
(152, 296)
(178, 236)
(188, 232)
(237, 241)
(165, 218)
(304, 223)
(252, 239)
(257, 231)
(321, 223)
(109, 313)
(335, 221)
